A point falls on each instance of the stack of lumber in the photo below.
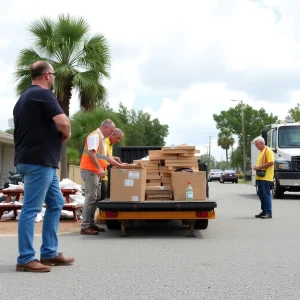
(162, 163)
(152, 172)
(180, 157)
(154, 193)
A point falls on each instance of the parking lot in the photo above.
(237, 257)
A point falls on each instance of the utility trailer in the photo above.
(117, 214)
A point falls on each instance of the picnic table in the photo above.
(7, 206)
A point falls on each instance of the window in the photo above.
(289, 137)
(269, 138)
(274, 139)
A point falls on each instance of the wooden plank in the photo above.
(179, 147)
(180, 161)
(188, 157)
(147, 162)
(154, 171)
(153, 177)
(158, 188)
(183, 165)
(177, 152)
(154, 152)
(154, 181)
(188, 153)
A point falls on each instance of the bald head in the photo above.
(107, 122)
(42, 74)
(116, 136)
(118, 131)
(39, 68)
(107, 127)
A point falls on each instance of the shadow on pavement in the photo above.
(171, 230)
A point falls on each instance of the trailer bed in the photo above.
(156, 205)
(194, 213)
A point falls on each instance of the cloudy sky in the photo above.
(181, 61)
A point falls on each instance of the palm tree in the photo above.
(80, 62)
(225, 141)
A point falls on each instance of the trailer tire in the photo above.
(201, 224)
(277, 191)
(113, 225)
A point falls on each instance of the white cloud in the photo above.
(208, 52)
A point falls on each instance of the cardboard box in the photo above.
(127, 184)
(180, 182)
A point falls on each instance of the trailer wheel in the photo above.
(201, 224)
(277, 191)
(113, 225)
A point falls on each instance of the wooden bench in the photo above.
(68, 206)
(17, 193)
(12, 193)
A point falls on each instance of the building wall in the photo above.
(74, 174)
(8, 153)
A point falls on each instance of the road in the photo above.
(237, 257)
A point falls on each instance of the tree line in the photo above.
(230, 126)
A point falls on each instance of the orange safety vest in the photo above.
(86, 162)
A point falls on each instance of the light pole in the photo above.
(243, 133)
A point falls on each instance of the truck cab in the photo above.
(284, 140)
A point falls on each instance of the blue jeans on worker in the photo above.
(264, 194)
(40, 185)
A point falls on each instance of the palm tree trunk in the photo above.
(64, 162)
(65, 105)
(226, 158)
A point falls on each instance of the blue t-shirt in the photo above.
(37, 138)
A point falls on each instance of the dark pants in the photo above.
(104, 189)
(264, 194)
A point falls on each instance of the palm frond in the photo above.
(22, 75)
(43, 32)
(27, 57)
(71, 29)
(69, 35)
(23, 80)
(91, 92)
(96, 55)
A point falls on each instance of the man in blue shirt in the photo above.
(40, 129)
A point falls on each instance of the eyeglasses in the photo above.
(49, 73)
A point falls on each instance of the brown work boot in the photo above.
(98, 229)
(33, 266)
(89, 231)
(58, 260)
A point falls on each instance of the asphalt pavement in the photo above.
(237, 257)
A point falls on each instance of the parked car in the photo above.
(214, 174)
(229, 175)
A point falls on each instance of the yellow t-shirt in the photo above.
(109, 148)
(269, 157)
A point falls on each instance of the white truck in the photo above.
(284, 140)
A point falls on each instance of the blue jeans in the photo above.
(264, 194)
(40, 185)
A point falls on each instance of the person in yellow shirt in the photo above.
(115, 138)
(264, 177)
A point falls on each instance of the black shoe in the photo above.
(266, 216)
(259, 215)
(98, 229)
